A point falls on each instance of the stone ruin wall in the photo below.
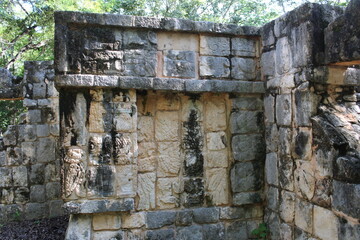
(162, 129)
(150, 113)
(29, 164)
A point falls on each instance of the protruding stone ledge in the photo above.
(166, 24)
(99, 206)
(167, 84)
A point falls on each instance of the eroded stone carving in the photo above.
(73, 171)
(122, 153)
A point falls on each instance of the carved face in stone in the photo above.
(74, 155)
(95, 144)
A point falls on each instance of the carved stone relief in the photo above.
(122, 153)
(73, 171)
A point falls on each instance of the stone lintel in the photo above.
(99, 206)
(166, 24)
(167, 84)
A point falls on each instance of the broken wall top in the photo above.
(129, 52)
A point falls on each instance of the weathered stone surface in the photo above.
(346, 198)
(147, 158)
(304, 215)
(304, 179)
(135, 39)
(145, 128)
(178, 41)
(325, 223)
(166, 126)
(243, 47)
(179, 64)
(216, 159)
(45, 150)
(245, 198)
(99, 206)
(348, 230)
(194, 232)
(169, 161)
(215, 109)
(193, 192)
(285, 135)
(246, 122)
(167, 193)
(286, 231)
(217, 185)
(106, 222)
(272, 138)
(79, 227)
(347, 169)
(283, 57)
(271, 169)
(55, 208)
(273, 224)
(268, 69)
(108, 235)
(217, 46)
(213, 231)
(160, 234)
(287, 206)
(133, 220)
(248, 147)
(302, 140)
(216, 140)
(10, 136)
(160, 219)
(14, 156)
(140, 63)
(286, 173)
(283, 109)
(245, 212)
(37, 174)
(323, 191)
(206, 215)
(37, 193)
(245, 176)
(36, 210)
(243, 68)
(236, 230)
(20, 176)
(168, 102)
(6, 177)
(146, 191)
(184, 217)
(125, 180)
(247, 103)
(216, 67)
(272, 196)
(305, 107)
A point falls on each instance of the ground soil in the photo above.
(42, 229)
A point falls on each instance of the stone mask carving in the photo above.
(74, 172)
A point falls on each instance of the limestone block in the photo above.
(246, 176)
(125, 148)
(178, 41)
(273, 224)
(194, 232)
(20, 176)
(269, 108)
(37, 193)
(125, 119)
(6, 178)
(216, 67)
(305, 180)
(304, 215)
(53, 190)
(55, 208)
(283, 58)
(217, 46)
(217, 159)
(14, 156)
(39, 90)
(246, 122)
(268, 63)
(146, 104)
(325, 223)
(287, 206)
(37, 173)
(125, 181)
(245, 212)
(3, 160)
(184, 217)
(217, 187)
(79, 227)
(243, 47)
(248, 147)
(245, 198)
(133, 220)
(10, 136)
(236, 230)
(272, 138)
(346, 198)
(323, 192)
(97, 95)
(135, 39)
(160, 234)
(286, 231)
(243, 68)
(272, 197)
(52, 173)
(169, 161)
(148, 156)
(286, 173)
(108, 235)
(45, 151)
(141, 63)
(302, 142)
(247, 103)
(106, 222)
(7, 196)
(160, 219)
(193, 192)
(145, 128)
(189, 105)
(215, 113)
(216, 140)
(179, 64)
(27, 133)
(283, 109)
(167, 126)
(42, 130)
(168, 102)
(146, 191)
(34, 116)
(306, 104)
(167, 193)
(96, 121)
(36, 210)
(285, 136)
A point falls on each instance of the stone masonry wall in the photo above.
(161, 127)
(29, 163)
(310, 119)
